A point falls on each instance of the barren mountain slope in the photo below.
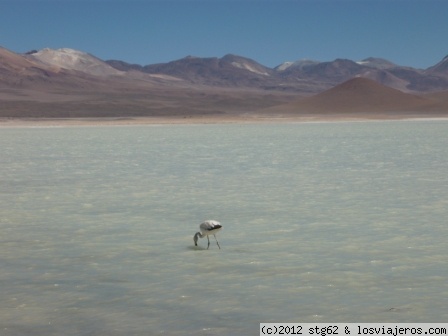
(357, 95)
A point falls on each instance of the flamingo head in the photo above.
(195, 238)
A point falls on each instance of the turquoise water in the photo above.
(323, 222)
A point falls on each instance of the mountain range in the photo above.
(303, 76)
(72, 83)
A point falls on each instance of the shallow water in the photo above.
(323, 222)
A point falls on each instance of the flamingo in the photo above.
(209, 227)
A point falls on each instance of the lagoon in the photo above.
(323, 222)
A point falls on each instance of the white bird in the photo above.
(209, 227)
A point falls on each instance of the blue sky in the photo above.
(406, 32)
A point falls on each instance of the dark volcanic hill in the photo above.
(123, 66)
(336, 71)
(229, 70)
(440, 69)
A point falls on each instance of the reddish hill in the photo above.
(357, 95)
(440, 99)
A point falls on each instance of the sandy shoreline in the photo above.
(210, 119)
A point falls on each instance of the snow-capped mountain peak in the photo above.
(246, 64)
(377, 63)
(284, 66)
(71, 59)
(297, 64)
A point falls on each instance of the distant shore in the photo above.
(211, 119)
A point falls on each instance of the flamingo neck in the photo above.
(195, 238)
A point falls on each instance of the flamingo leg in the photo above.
(208, 243)
(217, 241)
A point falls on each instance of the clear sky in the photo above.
(407, 32)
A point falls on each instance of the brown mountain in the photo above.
(45, 68)
(18, 72)
(358, 95)
(69, 83)
(440, 99)
(23, 72)
(55, 89)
